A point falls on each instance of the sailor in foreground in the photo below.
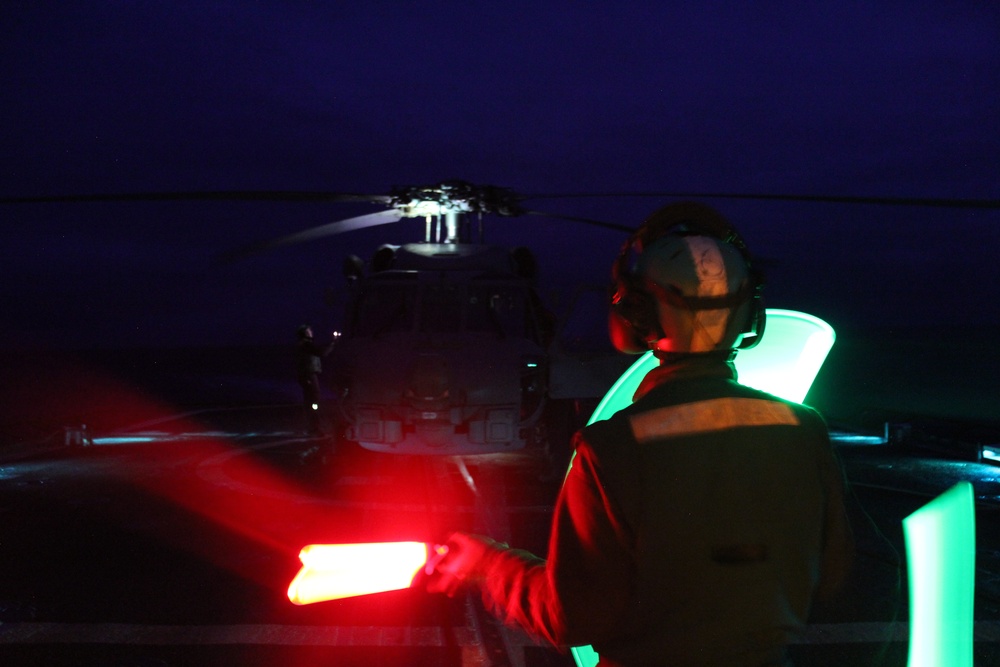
(698, 525)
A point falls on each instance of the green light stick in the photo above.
(941, 551)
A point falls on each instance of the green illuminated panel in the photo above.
(585, 656)
(941, 553)
(784, 363)
(789, 356)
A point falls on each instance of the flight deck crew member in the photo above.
(308, 366)
(696, 526)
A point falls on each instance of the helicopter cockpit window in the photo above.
(499, 309)
(386, 308)
(441, 308)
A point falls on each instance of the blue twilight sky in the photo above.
(826, 98)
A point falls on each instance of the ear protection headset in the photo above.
(633, 315)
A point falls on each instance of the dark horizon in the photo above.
(822, 100)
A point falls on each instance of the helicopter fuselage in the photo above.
(444, 353)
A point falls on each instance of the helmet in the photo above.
(683, 283)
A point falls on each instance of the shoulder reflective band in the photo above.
(716, 414)
(335, 571)
(941, 556)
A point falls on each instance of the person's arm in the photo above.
(837, 556)
(332, 344)
(578, 595)
(838, 539)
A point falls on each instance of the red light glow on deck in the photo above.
(335, 571)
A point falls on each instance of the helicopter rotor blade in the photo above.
(828, 199)
(313, 233)
(588, 221)
(209, 195)
(321, 196)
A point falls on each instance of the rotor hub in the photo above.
(455, 197)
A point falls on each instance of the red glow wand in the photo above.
(335, 571)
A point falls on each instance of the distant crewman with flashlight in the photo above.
(696, 526)
(308, 366)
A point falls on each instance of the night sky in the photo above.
(887, 99)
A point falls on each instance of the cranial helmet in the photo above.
(683, 283)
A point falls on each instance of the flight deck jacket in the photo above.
(693, 528)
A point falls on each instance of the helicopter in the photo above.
(448, 348)
(444, 350)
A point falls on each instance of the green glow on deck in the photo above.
(941, 552)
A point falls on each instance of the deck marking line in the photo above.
(374, 636)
